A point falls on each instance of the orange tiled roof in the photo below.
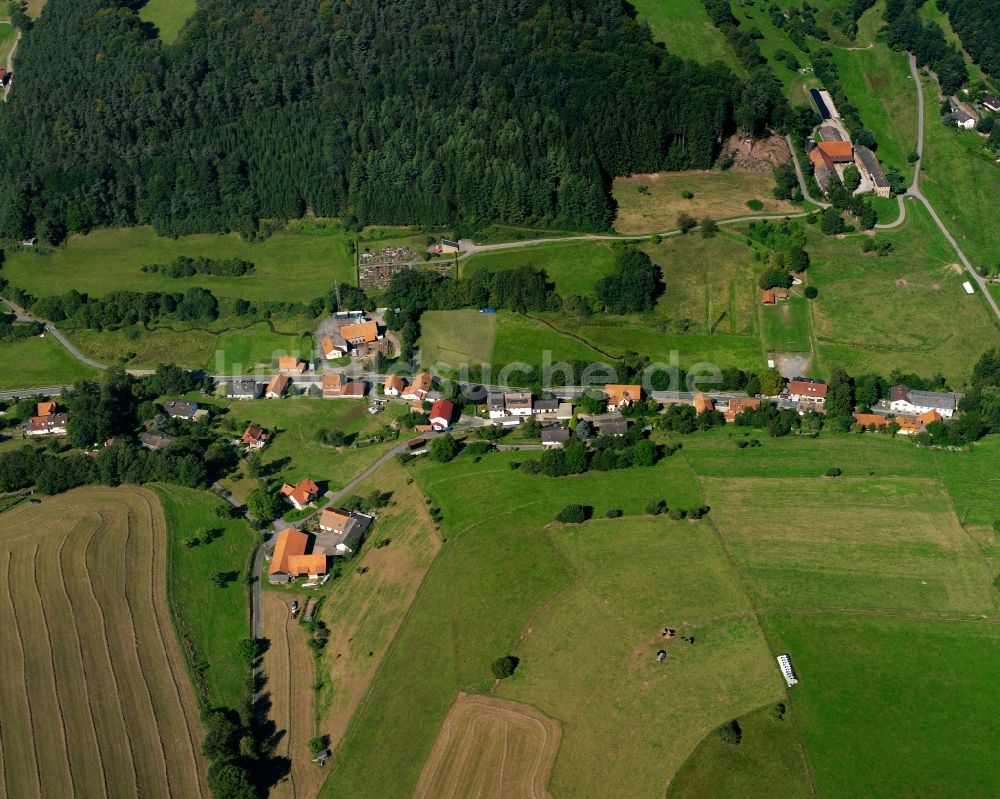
(618, 394)
(290, 542)
(361, 331)
(314, 563)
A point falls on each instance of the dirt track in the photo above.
(93, 692)
(290, 672)
(490, 749)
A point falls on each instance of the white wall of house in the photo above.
(908, 408)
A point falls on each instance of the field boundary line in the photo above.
(52, 668)
(363, 703)
(107, 655)
(24, 674)
(129, 527)
(83, 667)
(159, 546)
(755, 608)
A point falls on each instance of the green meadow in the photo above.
(214, 619)
(168, 16)
(906, 311)
(295, 452)
(684, 27)
(39, 361)
(879, 584)
(962, 181)
(878, 82)
(293, 265)
(574, 266)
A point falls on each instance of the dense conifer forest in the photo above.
(466, 112)
(975, 21)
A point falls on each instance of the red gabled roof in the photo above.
(807, 388)
(442, 409)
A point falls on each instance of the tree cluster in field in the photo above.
(881, 247)
(682, 418)
(603, 453)
(634, 284)
(906, 31)
(786, 243)
(842, 200)
(800, 23)
(404, 112)
(659, 507)
(182, 266)
(975, 22)
(786, 184)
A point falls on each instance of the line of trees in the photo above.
(416, 111)
(117, 308)
(183, 266)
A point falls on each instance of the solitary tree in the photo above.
(731, 733)
(503, 667)
(263, 505)
(572, 514)
(445, 448)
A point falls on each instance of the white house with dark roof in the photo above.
(913, 402)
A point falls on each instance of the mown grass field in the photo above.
(882, 700)
(717, 194)
(768, 762)
(843, 573)
(905, 311)
(962, 181)
(887, 543)
(297, 264)
(288, 669)
(39, 362)
(599, 637)
(466, 615)
(785, 326)
(211, 620)
(454, 338)
(94, 695)
(505, 747)
(574, 266)
(168, 16)
(684, 27)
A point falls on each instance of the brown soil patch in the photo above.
(757, 156)
(958, 269)
(490, 749)
(290, 674)
(902, 284)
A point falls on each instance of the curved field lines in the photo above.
(93, 693)
(491, 749)
(290, 673)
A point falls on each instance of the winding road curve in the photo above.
(915, 192)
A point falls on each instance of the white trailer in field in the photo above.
(785, 664)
